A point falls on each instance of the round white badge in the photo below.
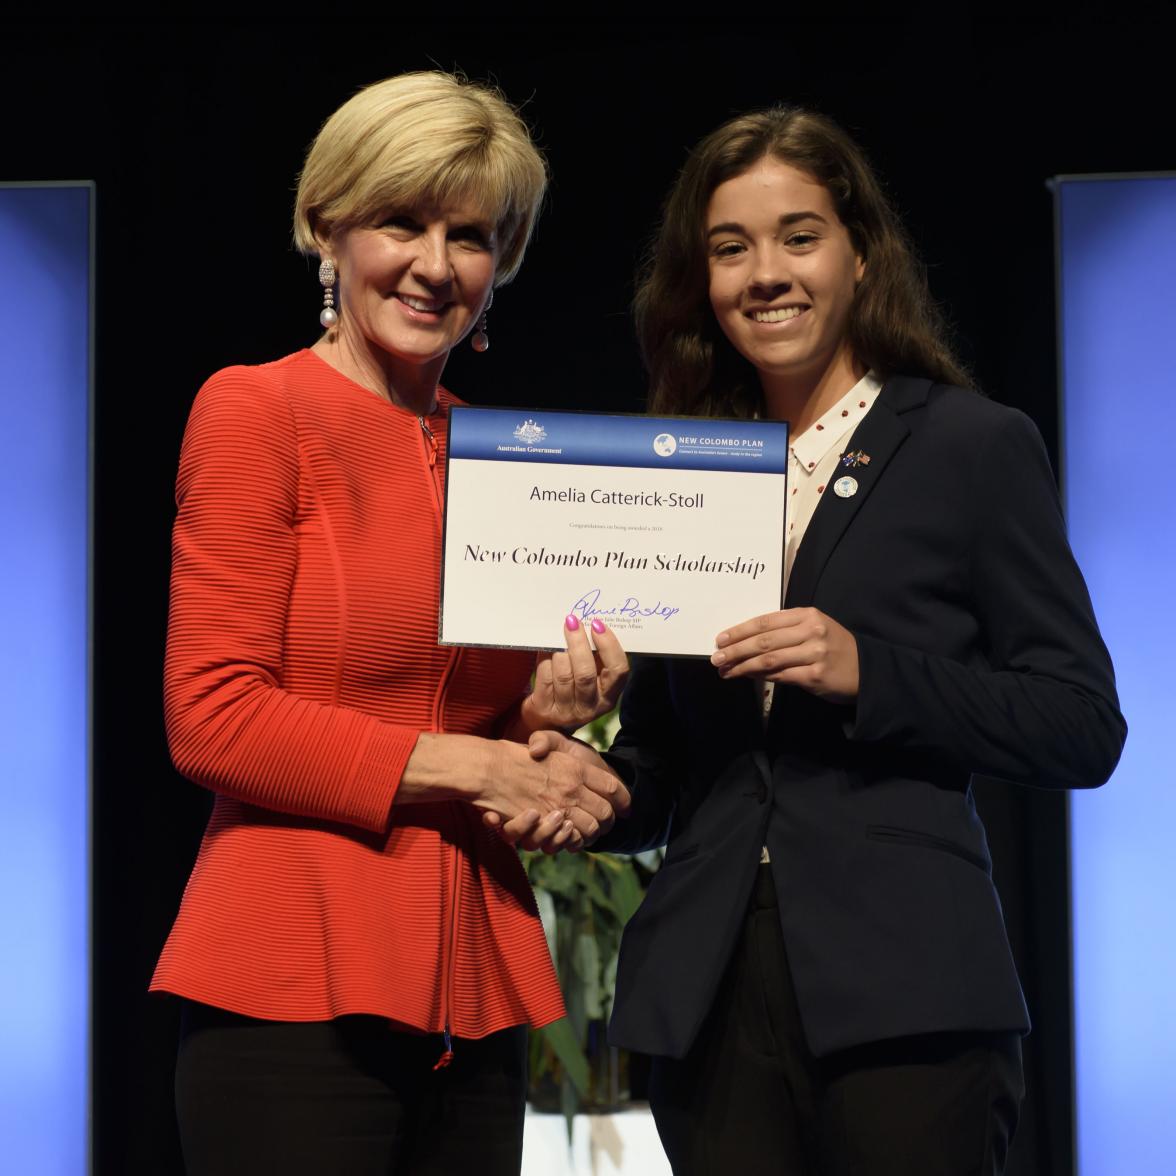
(845, 487)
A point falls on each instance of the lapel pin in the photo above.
(855, 458)
(845, 487)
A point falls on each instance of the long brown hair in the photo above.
(894, 326)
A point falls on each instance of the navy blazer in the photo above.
(979, 655)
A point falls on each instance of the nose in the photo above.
(771, 273)
(432, 259)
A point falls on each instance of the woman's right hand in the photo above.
(800, 646)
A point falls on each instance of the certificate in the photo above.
(666, 528)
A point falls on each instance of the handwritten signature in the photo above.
(589, 606)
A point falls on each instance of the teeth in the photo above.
(427, 304)
(776, 316)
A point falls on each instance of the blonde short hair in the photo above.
(415, 140)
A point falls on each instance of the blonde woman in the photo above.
(358, 953)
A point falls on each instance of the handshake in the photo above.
(538, 787)
(564, 796)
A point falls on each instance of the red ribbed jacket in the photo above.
(302, 663)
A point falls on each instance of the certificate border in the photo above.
(581, 412)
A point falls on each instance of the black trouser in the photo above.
(350, 1096)
(751, 1098)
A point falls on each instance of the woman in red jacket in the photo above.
(358, 953)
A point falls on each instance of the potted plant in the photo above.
(585, 900)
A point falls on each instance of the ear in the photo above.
(860, 268)
(323, 240)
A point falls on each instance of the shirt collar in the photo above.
(814, 444)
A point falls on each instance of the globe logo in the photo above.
(664, 445)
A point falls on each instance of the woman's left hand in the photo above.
(575, 687)
(799, 646)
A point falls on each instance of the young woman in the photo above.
(820, 969)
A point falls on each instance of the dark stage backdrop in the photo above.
(194, 135)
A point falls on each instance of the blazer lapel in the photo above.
(879, 436)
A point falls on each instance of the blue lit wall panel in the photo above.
(1117, 241)
(44, 871)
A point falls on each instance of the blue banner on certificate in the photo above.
(666, 528)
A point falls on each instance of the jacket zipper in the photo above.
(449, 969)
(450, 966)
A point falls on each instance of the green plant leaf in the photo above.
(600, 732)
(599, 896)
(587, 967)
(539, 1056)
(610, 976)
(547, 917)
(626, 893)
(569, 1102)
(564, 1044)
(559, 874)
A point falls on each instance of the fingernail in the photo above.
(717, 658)
(571, 622)
(597, 625)
(722, 638)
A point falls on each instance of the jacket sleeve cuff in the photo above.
(377, 774)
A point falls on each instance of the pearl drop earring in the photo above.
(328, 316)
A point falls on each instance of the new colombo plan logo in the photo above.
(664, 445)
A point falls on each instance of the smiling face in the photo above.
(783, 271)
(410, 289)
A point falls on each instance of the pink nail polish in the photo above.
(571, 622)
(597, 625)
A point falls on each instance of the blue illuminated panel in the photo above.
(44, 872)
(1117, 242)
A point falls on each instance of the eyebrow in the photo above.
(788, 219)
(419, 214)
